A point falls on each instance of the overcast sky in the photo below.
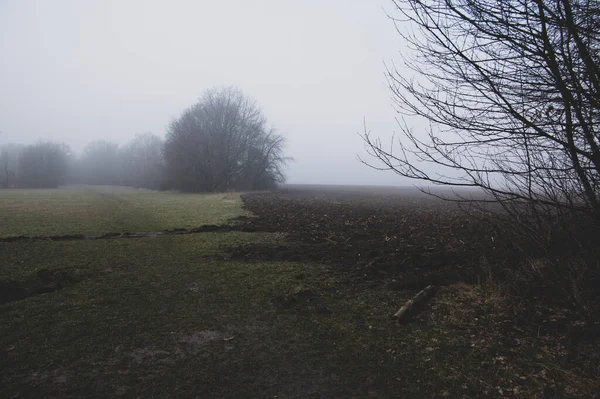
(74, 71)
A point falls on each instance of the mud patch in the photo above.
(42, 282)
(209, 228)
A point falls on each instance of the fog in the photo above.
(75, 71)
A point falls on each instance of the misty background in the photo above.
(75, 72)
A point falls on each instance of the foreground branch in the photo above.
(413, 303)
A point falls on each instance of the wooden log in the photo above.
(413, 303)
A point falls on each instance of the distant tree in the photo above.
(143, 161)
(222, 142)
(43, 165)
(9, 162)
(101, 163)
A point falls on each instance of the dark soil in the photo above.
(377, 237)
(403, 242)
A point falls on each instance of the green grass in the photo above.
(169, 317)
(172, 317)
(94, 210)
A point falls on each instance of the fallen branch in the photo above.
(411, 304)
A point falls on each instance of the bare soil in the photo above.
(415, 240)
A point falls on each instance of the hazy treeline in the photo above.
(42, 165)
(49, 164)
(138, 163)
(220, 143)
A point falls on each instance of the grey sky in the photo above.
(79, 70)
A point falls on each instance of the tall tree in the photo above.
(222, 142)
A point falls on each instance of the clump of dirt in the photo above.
(192, 344)
(183, 347)
(145, 356)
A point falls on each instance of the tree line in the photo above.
(220, 143)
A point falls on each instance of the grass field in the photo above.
(210, 315)
(100, 209)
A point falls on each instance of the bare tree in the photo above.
(262, 166)
(222, 142)
(511, 90)
(511, 93)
